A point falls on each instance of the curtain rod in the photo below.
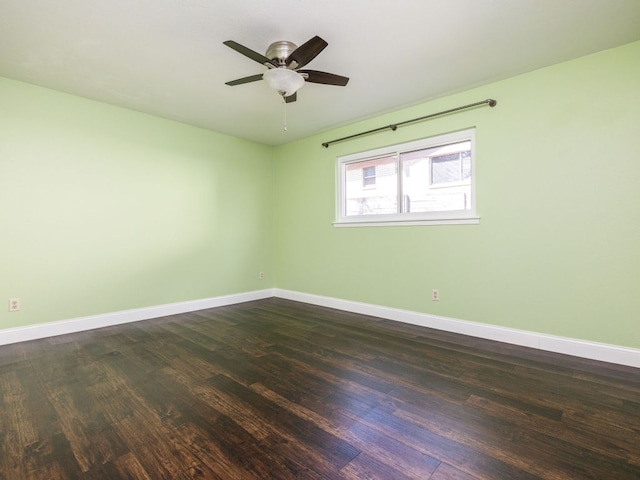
(394, 126)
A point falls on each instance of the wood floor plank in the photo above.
(370, 468)
(447, 472)
(285, 390)
(129, 468)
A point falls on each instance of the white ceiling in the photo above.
(166, 57)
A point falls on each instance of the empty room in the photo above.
(319, 240)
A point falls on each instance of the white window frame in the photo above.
(450, 217)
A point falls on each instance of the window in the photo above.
(369, 176)
(430, 181)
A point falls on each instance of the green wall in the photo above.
(557, 250)
(103, 209)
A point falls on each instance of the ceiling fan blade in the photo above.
(240, 81)
(247, 52)
(306, 52)
(291, 98)
(314, 76)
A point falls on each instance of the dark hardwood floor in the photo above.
(275, 389)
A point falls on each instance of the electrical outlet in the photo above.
(14, 304)
(261, 276)
(435, 295)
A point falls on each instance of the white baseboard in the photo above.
(569, 346)
(51, 329)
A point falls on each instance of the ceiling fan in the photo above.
(283, 60)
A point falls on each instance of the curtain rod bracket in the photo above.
(394, 126)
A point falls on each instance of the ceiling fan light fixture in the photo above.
(285, 81)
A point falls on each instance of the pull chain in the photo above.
(285, 113)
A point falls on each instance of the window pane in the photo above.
(415, 183)
(437, 179)
(446, 168)
(371, 187)
(369, 176)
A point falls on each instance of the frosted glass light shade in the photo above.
(285, 81)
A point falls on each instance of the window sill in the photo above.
(471, 220)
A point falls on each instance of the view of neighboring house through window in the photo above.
(371, 186)
(428, 181)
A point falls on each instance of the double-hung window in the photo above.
(429, 181)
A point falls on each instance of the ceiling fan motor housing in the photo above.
(280, 51)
